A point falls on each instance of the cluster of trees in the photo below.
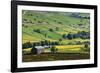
(27, 21)
(52, 30)
(40, 31)
(81, 34)
(48, 43)
(37, 30)
(41, 43)
(43, 32)
(27, 45)
(77, 15)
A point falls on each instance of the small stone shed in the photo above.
(37, 50)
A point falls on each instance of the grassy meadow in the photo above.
(66, 35)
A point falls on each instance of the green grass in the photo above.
(67, 24)
(61, 49)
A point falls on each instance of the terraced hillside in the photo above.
(52, 26)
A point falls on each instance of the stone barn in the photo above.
(37, 50)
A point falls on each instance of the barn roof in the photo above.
(39, 47)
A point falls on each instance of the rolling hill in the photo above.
(39, 25)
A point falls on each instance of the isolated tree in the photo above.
(35, 19)
(86, 48)
(60, 40)
(25, 26)
(57, 29)
(38, 30)
(51, 29)
(60, 22)
(45, 35)
(53, 49)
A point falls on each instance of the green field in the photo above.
(61, 49)
(65, 31)
(44, 21)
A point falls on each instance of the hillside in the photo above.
(38, 26)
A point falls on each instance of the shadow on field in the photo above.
(56, 56)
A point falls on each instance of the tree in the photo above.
(45, 35)
(60, 40)
(34, 44)
(64, 36)
(51, 29)
(46, 42)
(57, 28)
(42, 43)
(26, 45)
(60, 22)
(25, 26)
(38, 30)
(84, 35)
(53, 49)
(56, 43)
(70, 36)
(85, 48)
(35, 19)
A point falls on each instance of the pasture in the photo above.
(61, 49)
(69, 52)
(67, 34)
